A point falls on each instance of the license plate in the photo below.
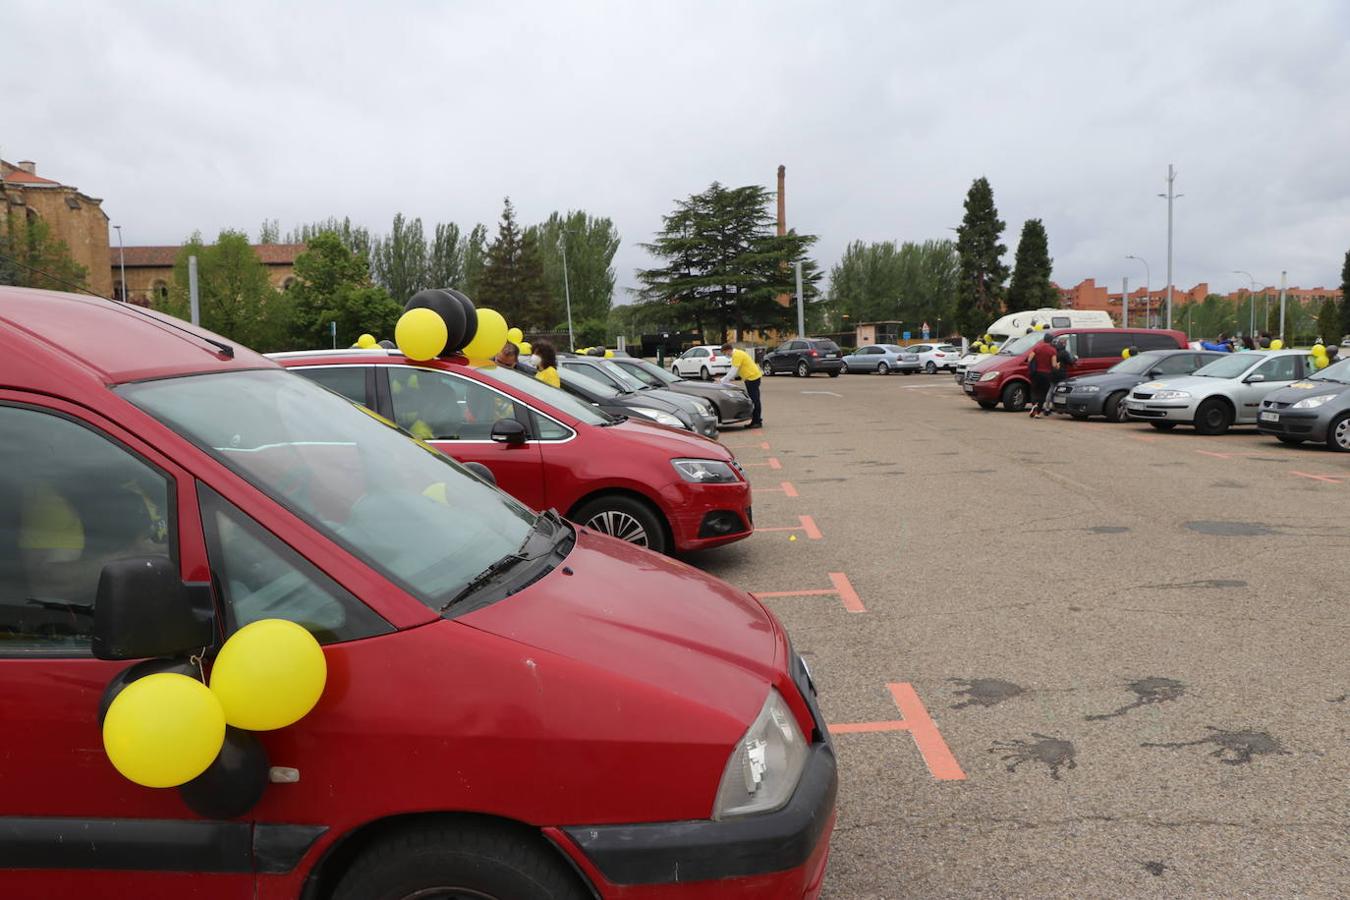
(1270, 417)
(968, 389)
(831, 355)
(1060, 401)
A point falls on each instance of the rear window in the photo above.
(829, 346)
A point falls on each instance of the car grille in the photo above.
(1272, 404)
(972, 376)
(1138, 396)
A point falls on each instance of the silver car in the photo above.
(882, 359)
(1217, 396)
(1315, 409)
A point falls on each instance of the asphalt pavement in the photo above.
(1061, 658)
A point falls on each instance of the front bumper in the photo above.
(1161, 410)
(1078, 404)
(1309, 425)
(700, 513)
(705, 425)
(734, 409)
(988, 391)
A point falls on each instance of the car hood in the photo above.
(675, 398)
(1106, 380)
(648, 618)
(1195, 385)
(674, 442)
(1302, 390)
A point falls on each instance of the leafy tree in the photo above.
(332, 284)
(475, 260)
(269, 232)
(31, 257)
(513, 277)
(1328, 321)
(236, 297)
(911, 283)
(1031, 287)
(398, 262)
(355, 237)
(980, 287)
(445, 257)
(725, 266)
(590, 244)
(1345, 296)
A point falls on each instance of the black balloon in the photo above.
(449, 309)
(470, 321)
(140, 670)
(234, 782)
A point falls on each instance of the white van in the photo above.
(1019, 323)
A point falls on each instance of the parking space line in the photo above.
(784, 486)
(1146, 438)
(1215, 455)
(842, 589)
(914, 718)
(1329, 479)
(808, 526)
(772, 462)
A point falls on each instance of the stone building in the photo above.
(71, 216)
(150, 269)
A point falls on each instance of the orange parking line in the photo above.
(820, 593)
(936, 754)
(1148, 439)
(764, 445)
(784, 486)
(852, 602)
(1215, 455)
(772, 462)
(868, 727)
(1329, 479)
(808, 526)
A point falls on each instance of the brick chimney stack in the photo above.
(782, 200)
(31, 168)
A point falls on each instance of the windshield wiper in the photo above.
(557, 533)
(614, 420)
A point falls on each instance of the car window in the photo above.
(948, 348)
(1060, 322)
(349, 381)
(260, 577)
(544, 393)
(642, 374)
(920, 348)
(698, 352)
(545, 429)
(1281, 368)
(1180, 364)
(594, 373)
(71, 501)
(1104, 344)
(438, 406)
(1154, 341)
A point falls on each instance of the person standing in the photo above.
(1041, 362)
(548, 364)
(1064, 360)
(744, 368)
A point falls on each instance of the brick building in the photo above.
(1146, 304)
(71, 216)
(150, 269)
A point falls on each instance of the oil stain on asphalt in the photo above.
(1236, 748)
(1231, 529)
(1147, 691)
(1202, 584)
(1108, 529)
(1155, 868)
(985, 691)
(1054, 753)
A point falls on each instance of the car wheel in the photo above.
(1114, 408)
(1015, 397)
(987, 404)
(1080, 417)
(1289, 439)
(675, 370)
(1213, 417)
(625, 518)
(883, 369)
(704, 374)
(1163, 426)
(1338, 434)
(847, 370)
(929, 368)
(803, 370)
(834, 374)
(481, 861)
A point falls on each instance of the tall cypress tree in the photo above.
(979, 298)
(1031, 287)
(1345, 295)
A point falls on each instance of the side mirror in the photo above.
(508, 431)
(1253, 379)
(1154, 373)
(483, 472)
(142, 609)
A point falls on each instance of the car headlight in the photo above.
(704, 471)
(990, 376)
(1172, 395)
(729, 394)
(1085, 388)
(663, 418)
(1313, 402)
(765, 764)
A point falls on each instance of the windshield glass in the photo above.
(546, 393)
(893, 348)
(620, 374)
(650, 373)
(1230, 366)
(588, 385)
(1022, 344)
(1135, 365)
(1339, 371)
(406, 510)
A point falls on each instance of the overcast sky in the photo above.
(882, 112)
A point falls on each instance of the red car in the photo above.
(514, 707)
(1004, 377)
(658, 487)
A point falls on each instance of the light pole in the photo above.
(567, 292)
(1148, 300)
(1251, 298)
(1170, 195)
(122, 261)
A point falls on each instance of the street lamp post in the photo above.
(567, 292)
(1148, 300)
(1251, 299)
(1170, 195)
(122, 261)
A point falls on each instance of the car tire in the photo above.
(626, 518)
(1338, 434)
(478, 860)
(987, 404)
(704, 374)
(883, 369)
(1163, 426)
(1114, 408)
(675, 370)
(1015, 397)
(1080, 417)
(1213, 416)
(834, 374)
(929, 368)
(847, 370)
(803, 370)
(1289, 439)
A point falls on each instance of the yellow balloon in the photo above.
(420, 334)
(1125, 354)
(609, 354)
(1277, 344)
(1320, 362)
(515, 335)
(525, 348)
(1319, 350)
(366, 341)
(269, 674)
(491, 336)
(163, 730)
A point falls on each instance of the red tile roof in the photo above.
(163, 257)
(19, 176)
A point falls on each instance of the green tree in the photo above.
(513, 277)
(724, 265)
(445, 257)
(475, 260)
(1329, 321)
(911, 283)
(398, 262)
(236, 297)
(332, 284)
(1031, 287)
(980, 286)
(31, 257)
(1345, 296)
(590, 244)
(269, 232)
(356, 237)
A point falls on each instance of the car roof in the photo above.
(50, 338)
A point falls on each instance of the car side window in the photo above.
(1154, 342)
(1102, 344)
(349, 381)
(1181, 364)
(71, 501)
(698, 353)
(260, 577)
(1281, 368)
(437, 406)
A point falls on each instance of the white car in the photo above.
(935, 356)
(706, 362)
(1219, 395)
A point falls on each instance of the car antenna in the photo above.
(225, 349)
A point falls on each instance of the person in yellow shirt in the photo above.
(743, 367)
(548, 364)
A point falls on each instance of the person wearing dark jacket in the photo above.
(1064, 360)
(1041, 362)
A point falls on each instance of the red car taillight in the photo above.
(814, 353)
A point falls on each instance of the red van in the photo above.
(1004, 378)
(515, 707)
(662, 488)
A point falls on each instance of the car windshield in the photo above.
(654, 375)
(588, 384)
(546, 393)
(1135, 365)
(620, 374)
(406, 510)
(893, 348)
(1022, 344)
(1230, 366)
(1338, 372)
